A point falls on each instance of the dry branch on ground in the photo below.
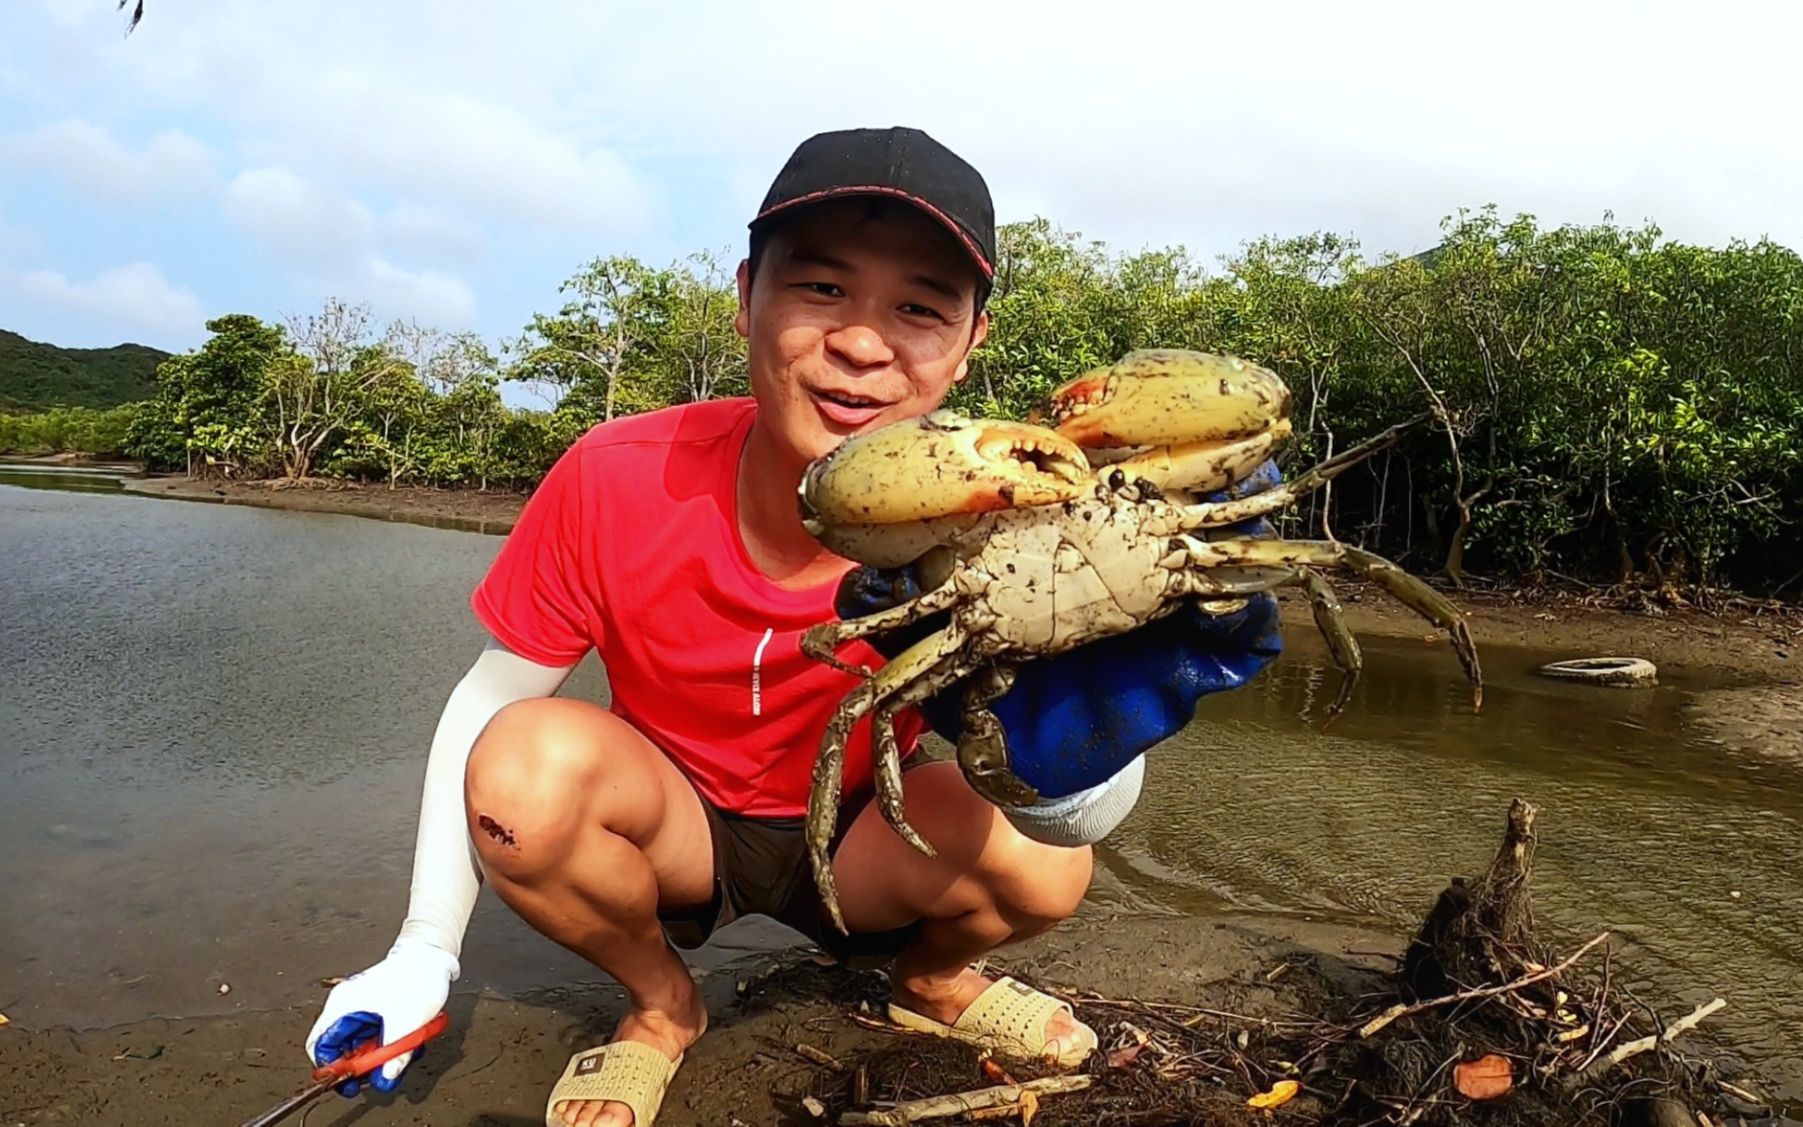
(1484, 1022)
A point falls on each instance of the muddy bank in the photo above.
(70, 458)
(1754, 649)
(492, 512)
(1735, 643)
(1760, 645)
(1762, 719)
(497, 1062)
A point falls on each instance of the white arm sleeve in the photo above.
(1085, 817)
(445, 874)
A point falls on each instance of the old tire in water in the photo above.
(1615, 672)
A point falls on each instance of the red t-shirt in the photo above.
(631, 546)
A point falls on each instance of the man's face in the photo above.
(861, 313)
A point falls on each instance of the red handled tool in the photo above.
(361, 1062)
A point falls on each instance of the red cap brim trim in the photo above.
(950, 224)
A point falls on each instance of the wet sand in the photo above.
(500, 1056)
(494, 511)
(1761, 644)
(496, 1064)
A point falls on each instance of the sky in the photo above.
(453, 162)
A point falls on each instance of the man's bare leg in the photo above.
(990, 885)
(584, 828)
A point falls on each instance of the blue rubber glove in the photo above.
(346, 1034)
(1076, 719)
(387, 1001)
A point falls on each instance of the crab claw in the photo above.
(1209, 420)
(1167, 396)
(887, 497)
(943, 464)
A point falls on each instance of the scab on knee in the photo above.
(524, 783)
(497, 831)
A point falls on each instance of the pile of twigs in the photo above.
(1481, 1025)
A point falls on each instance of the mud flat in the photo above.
(470, 510)
(500, 1057)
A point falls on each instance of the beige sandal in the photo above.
(628, 1072)
(1009, 1017)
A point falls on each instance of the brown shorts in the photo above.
(761, 868)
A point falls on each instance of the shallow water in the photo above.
(1684, 849)
(74, 479)
(213, 721)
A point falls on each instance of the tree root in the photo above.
(1484, 1024)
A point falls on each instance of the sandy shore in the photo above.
(497, 1062)
(475, 511)
(1760, 645)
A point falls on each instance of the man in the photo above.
(671, 543)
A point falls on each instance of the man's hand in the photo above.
(388, 1001)
(1076, 719)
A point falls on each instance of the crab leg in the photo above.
(982, 750)
(1221, 583)
(1330, 619)
(1219, 513)
(1407, 589)
(820, 641)
(983, 744)
(890, 798)
(926, 659)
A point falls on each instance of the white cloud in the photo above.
(332, 243)
(416, 104)
(426, 150)
(485, 157)
(1151, 121)
(135, 296)
(1209, 124)
(430, 297)
(171, 165)
(298, 222)
(434, 234)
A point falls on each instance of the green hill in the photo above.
(35, 377)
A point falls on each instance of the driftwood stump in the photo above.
(1479, 934)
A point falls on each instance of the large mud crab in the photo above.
(1036, 539)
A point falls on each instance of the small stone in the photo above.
(1735, 894)
(225, 988)
(814, 1107)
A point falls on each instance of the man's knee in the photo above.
(1037, 885)
(525, 780)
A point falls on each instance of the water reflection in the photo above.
(45, 475)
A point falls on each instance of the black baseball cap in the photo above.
(899, 162)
